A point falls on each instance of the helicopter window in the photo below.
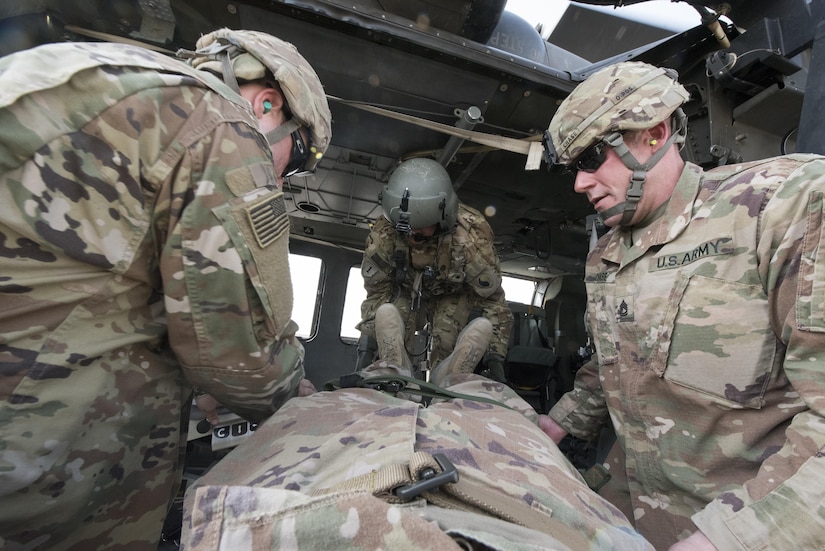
(306, 276)
(518, 290)
(352, 304)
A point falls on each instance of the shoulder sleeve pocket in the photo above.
(258, 225)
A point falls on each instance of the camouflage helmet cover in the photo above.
(255, 53)
(626, 96)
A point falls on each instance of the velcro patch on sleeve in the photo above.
(268, 219)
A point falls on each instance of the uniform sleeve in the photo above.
(582, 411)
(224, 265)
(781, 508)
(377, 270)
(483, 273)
(496, 310)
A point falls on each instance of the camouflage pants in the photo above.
(448, 314)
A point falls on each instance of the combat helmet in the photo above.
(622, 97)
(418, 194)
(247, 55)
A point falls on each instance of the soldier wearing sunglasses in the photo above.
(706, 306)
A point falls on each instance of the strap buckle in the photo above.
(356, 380)
(390, 387)
(429, 479)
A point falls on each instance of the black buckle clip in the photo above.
(429, 479)
(391, 387)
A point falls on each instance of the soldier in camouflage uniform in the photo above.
(143, 250)
(433, 257)
(706, 303)
(361, 469)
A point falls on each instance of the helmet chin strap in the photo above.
(223, 48)
(639, 170)
(277, 134)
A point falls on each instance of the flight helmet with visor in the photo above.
(420, 194)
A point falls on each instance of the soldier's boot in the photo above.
(367, 351)
(470, 346)
(389, 332)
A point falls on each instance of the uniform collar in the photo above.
(662, 226)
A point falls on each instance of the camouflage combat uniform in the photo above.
(459, 273)
(710, 339)
(132, 189)
(320, 474)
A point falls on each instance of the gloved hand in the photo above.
(494, 368)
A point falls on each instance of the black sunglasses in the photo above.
(299, 155)
(591, 160)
